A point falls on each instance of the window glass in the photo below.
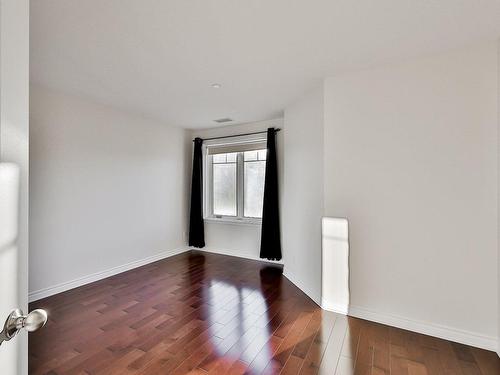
(251, 155)
(254, 175)
(262, 154)
(224, 185)
(219, 158)
(231, 158)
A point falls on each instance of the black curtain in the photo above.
(270, 242)
(196, 227)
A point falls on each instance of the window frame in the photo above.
(240, 182)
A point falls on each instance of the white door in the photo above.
(9, 257)
(14, 132)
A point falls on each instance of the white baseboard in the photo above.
(295, 281)
(234, 253)
(334, 307)
(431, 329)
(62, 287)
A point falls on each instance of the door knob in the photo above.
(17, 321)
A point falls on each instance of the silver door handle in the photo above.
(17, 321)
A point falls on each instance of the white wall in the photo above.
(108, 188)
(14, 138)
(411, 161)
(303, 192)
(241, 240)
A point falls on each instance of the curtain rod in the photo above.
(238, 135)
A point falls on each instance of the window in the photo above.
(234, 181)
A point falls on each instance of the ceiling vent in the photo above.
(222, 120)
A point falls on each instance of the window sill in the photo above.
(231, 221)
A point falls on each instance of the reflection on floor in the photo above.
(199, 313)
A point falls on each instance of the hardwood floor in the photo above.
(199, 313)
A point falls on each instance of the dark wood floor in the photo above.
(199, 313)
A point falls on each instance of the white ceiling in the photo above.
(160, 57)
